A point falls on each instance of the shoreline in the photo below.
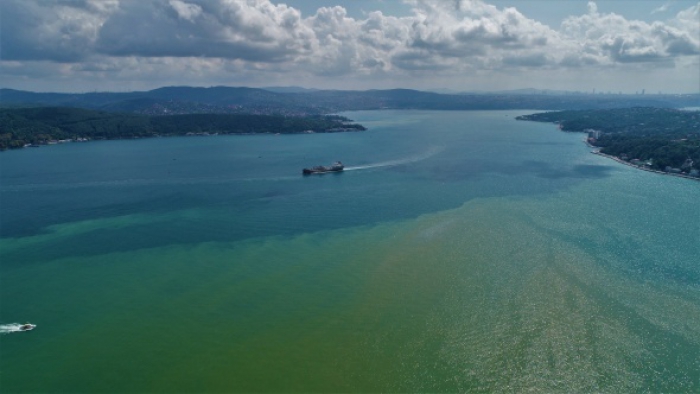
(187, 135)
(617, 159)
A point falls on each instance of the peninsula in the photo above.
(657, 139)
(21, 127)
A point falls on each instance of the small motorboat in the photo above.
(27, 327)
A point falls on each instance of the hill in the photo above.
(44, 125)
(659, 138)
(300, 102)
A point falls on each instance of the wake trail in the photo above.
(412, 159)
(10, 328)
(135, 182)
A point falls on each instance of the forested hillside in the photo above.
(22, 126)
(661, 137)
(239, 100)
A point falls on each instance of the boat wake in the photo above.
(10, 328)
(429, 153)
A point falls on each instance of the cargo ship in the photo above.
(335, 167)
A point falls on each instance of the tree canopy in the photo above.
(662, 136)
(22, 126)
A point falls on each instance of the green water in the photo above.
(462, 251)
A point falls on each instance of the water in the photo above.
(461, 251)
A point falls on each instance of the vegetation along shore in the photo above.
(22, 127)
(661, 140)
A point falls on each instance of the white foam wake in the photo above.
(10, 328)
(430, 152)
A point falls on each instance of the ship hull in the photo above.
(309, 171)
(337, 167)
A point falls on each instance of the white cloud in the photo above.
(59, 31)
(661, 9)
(613, 39)
(217, 40)
(185, 10)
(592, 8)
(255, 31)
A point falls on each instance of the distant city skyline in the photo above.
(619, 46)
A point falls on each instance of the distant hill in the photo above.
(162, 101)
(289, 89)
(537, 91)
(294, 101)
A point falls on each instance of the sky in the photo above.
(462, 45)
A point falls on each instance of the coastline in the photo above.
(668, 135)
(189, 134)
(617, 159)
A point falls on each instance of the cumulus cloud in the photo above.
(611, 38)
(475, 33)
(253, 31)
(250, 37)
(661, 9)
(185, 10)
(59, 31)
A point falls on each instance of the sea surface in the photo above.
(459, 251)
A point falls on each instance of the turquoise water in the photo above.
(461, 251)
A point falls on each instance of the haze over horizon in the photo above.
(118, 45)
